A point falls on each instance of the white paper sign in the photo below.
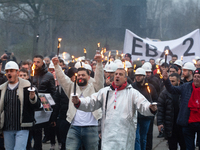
(42, 116)
(187, 46)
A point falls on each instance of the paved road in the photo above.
(158, 143)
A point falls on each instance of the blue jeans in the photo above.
(189, 135)
(80, 135)
(141, 134)
(16, 140)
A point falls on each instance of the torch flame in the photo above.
(109, 54)
(117, 52)
(166, 52)
(138, 59)
(106, 58)
(33, 70)
(181, 58)
(85, 50)
(104, 50)
(98, 44)
(148, 88)
(59, 39)
(75, 74)
(124, 64)
(194, 61)
(72, 56)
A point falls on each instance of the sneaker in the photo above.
(45, 140)
(161, 135)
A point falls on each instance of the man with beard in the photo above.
(44, 82)
(168, 108)
(187, 72)
(84, 125)
(17, 108)
(119, 103)
(143, 122)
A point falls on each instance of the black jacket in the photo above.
(44, 81)
(3, 78)
(155, 82)
(61, 107)
(151, 97)
(168, 107)
(28, 107)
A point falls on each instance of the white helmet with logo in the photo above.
(147, 67)
(119, 63)
(189, 66)
(11, 65)
(140, 71)
(112, 67)
(178, 63)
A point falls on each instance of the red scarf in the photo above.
(194, 105)
(121, 87)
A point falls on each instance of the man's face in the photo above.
(172, 70)
(38, 63)
(127, 58)
(198, 64)
(26, 66)
(174, 81)
(61, 65)
(148, 74)
(23, 75)
(152, 62)
(12, 76)
(139, 78)
(186, 73)
(120, 77)
(47, 60)
(82, 78)
(174, 59)
(196, 80)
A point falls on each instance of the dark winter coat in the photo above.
(185, 90)
(168, 107)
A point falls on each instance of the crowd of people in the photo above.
(99, 104)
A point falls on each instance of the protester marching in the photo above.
(109, 102)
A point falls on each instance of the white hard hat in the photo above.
(197, 58)
(140, 71)
(78, 65)
(178, 62)
(51, 65)
(11, 65)
(119, 63)
(162, 62)
(147, 67)
(87, 66)
(117, 60)
(158, 61)
(189, 66)
(128, 64)
(112, 67)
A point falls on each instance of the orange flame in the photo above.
(98, 44)
(117, 52)
(33, 70)
(181, 58)
(85, 50)
(194, 61)
(148, 88)
(166, 52)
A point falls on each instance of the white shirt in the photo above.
(83, 118)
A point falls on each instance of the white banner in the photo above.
(187, 46)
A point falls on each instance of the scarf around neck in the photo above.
(121, 87)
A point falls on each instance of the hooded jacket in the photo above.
(117, 125)
(27, 106)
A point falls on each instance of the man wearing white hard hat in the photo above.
(110, 70)
(143, 123)
(86, 122)
(178, 63)
(187, 72)
(17, 108)
(119, 103)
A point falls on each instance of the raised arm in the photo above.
(63, 80)
(98, 76)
